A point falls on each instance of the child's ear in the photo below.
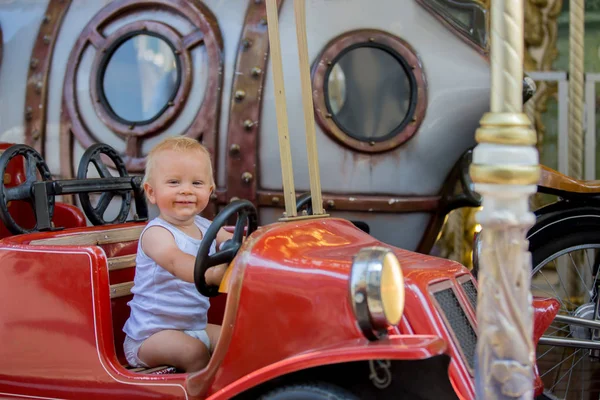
(149, 193)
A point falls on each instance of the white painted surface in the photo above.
(79, 14)
(458, 94)
(19, 21)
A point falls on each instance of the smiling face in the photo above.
(180, 184)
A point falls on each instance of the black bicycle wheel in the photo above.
(565, 250)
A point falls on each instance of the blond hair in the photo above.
(181, 144)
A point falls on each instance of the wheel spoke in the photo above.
(30, 168)
(577, 270)
(100, 166)
(557, 329)
(563, 285)
(20, 192)
(571, 373)
(104, 201)
(547, 351)
(558, 297)
(568, 371)
(560, 363)
(559, 277)
(239, 228)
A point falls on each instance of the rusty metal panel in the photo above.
(245, 107)
(205, 123)
(36, 96)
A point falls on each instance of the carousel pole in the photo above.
(285, 152)
(505, 171)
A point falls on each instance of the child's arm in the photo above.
(214, 275)
(159, 244)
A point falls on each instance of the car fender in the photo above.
(548, 215)
(544, 312)
(400, 347)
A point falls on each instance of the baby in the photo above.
(168, 321)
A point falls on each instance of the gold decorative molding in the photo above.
(505, 128)
(505, 174)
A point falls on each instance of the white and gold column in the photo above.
(505, 171)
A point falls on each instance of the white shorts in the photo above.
(131, 347)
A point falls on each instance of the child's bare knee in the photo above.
(195, 357)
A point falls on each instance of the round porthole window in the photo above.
(140, 78)
(369, 90)
(368, 93)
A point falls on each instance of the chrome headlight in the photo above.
(376, 290)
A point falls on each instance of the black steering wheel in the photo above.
(93, 155)
(246, 215)
(34, 163)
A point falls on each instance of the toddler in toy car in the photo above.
(168, 321)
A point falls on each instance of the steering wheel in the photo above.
(93, 156)
(33, 163)
(246, 215)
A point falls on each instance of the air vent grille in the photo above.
(459, 323)
(471, 292)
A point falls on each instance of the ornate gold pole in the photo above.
(505, 171)
(576, 67)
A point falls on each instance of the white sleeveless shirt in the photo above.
(160, 299)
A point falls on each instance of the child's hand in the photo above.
(214, 275)
(223, 236)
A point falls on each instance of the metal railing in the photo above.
(590, 125)
(562, 79)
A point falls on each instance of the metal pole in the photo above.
(285, 152)
(576, 82)
(505, 171)
(307, 103)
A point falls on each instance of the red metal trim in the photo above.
(36, 94)
(245, 104)
(323, 63)
(544, 312)
(206, 123)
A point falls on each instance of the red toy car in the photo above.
(308, 308)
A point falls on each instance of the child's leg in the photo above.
(174, 348)
(213, 331)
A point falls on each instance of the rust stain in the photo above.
(36, 94)
(206, 123)
(246, 104)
